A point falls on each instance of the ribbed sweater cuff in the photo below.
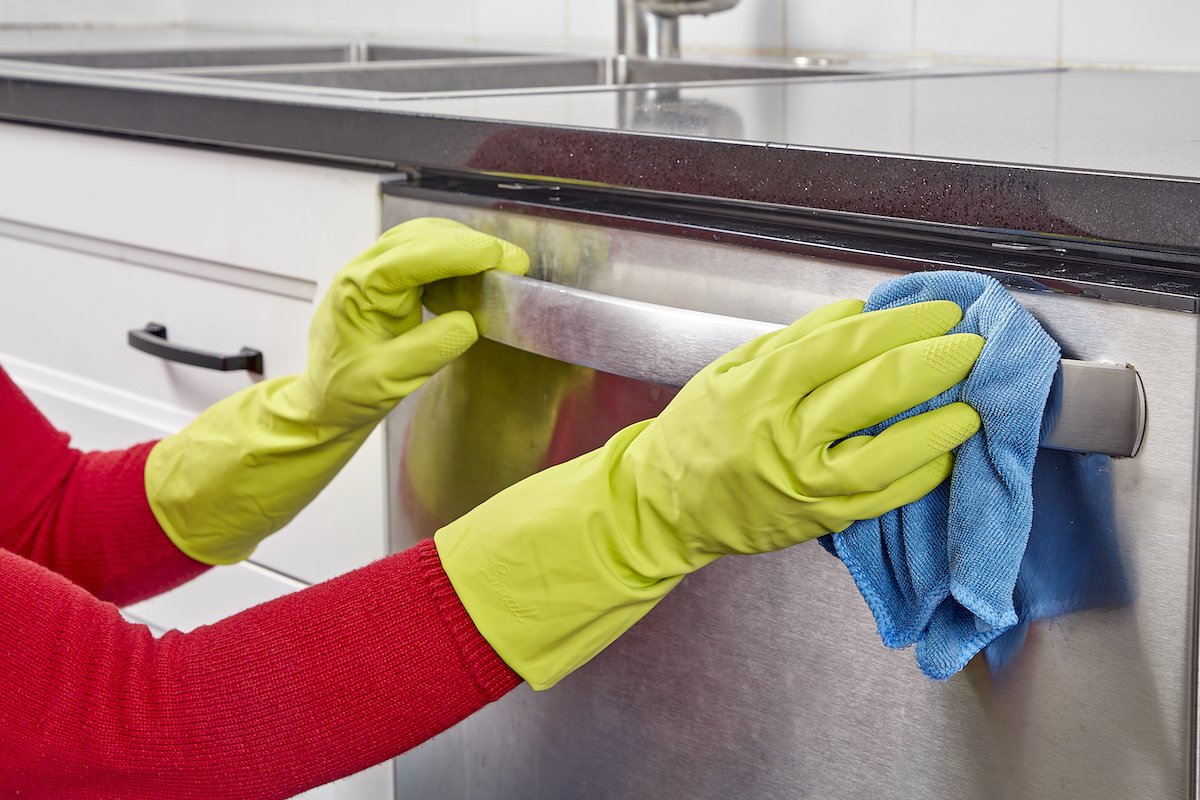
(495, 678)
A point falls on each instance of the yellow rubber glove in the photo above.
(749, 457)
(246, 466)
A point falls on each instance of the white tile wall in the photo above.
(449, 18)
(1016, 30)
(867, 27)
(527, 19)
(265, 13)
(90, 12)
(354, 15)
(1163, 33)
(592, 23)
(214, 12)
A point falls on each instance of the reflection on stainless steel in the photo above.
(434, 76)
(480, 74)
(648, 342)
(180, 58)
(1097, 408)
(678, 8)
(763, 676)
(1072, 560)
(640, 33)
(660, 109)
(651, 27)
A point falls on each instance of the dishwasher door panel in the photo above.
(763, 676)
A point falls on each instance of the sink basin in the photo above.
(484, 74)
(359, 68)
(209, 57)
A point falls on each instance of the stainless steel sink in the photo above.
(484, 74)
(369, 70)
(209, 57)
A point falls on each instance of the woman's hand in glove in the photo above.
(751, 456)
(367, 346)
(246, 466)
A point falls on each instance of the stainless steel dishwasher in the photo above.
(763, 676)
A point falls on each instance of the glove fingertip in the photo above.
(456, 341)
(512, 259)
(454, 333)
(922, 481)
(952, 354)
(802, 327)
(846, 308)
(932, 318)
(940, 468)
(420, 224)
(952, 428)
(966, 415)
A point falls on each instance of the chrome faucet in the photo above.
(650, 28)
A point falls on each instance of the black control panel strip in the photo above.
(1113, 271)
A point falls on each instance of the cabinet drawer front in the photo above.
(70, 312)
(265, 214)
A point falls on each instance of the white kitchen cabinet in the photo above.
(275, 216)
(71, 311)
(101, 234)
(338, 532)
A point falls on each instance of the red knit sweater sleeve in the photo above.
(285, 696)
(83, 515)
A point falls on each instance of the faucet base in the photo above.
(641, 32)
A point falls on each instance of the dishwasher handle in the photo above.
(152, 339)
(1095, 408)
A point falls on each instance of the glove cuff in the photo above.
(553, 569)
(242, 470)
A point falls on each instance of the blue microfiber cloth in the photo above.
(940, 573)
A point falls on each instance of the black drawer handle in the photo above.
(152, 339)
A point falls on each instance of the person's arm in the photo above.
(130, 524)
(275, 700)
(280, 698)
(82, 515)
(283, 697)
(751, 456)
